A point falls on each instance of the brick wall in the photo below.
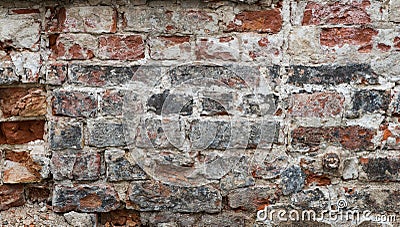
(197, 113)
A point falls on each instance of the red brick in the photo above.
(319, 104)
(22, 102)
(120, 218)
(383, 47)
(40, 192)
(11, 196)
(23, 11)
(119, 47)
(350, 137)
(317, 179)
(396, 42)
(353, 36)
(72, 46)
(20, 132)
(336, 13)
(74, 103)
(257, 21)
(365, 49)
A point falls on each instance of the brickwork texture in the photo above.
(199, 112)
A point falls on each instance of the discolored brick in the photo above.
(119, 47)
(293, 180)
(22, 33)
(319, 104)
(8, 76)
(331, 74)
(90, 19)
(259, 104)
(166, 104)
(27, 66)
(207, 75)
(371, 101)
(120, 168)
(160, 134)
(76, 165)
(111, 102)
(216, 103)
(19, 167)
(350, 137)
(85, 198)
(120, 218)
(222, 48)
(40, 192)
(193, 21)
(56, 74)
(65, 135)
(11, 196)
(105, 133)
(336, 13)
(99, 76)
(74, 103)
(155, 196)
(73, 46)
(171, 48)
(252, 198)
(380, 168)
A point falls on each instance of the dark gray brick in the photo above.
(104, 133)
(65, 135)
(155, 196)
(331, 74)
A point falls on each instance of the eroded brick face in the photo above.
(336, 13)
(21, 132)
(352, 138)
(198, 113)
(121, 47)
(23, 102)
(353, 36)
(11, 195)
(320, 104)
(19, 167)
(257, 21)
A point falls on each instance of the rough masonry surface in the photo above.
(198, 112)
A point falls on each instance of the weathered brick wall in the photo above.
(197, 113)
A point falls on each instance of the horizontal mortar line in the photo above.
(17, 118)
